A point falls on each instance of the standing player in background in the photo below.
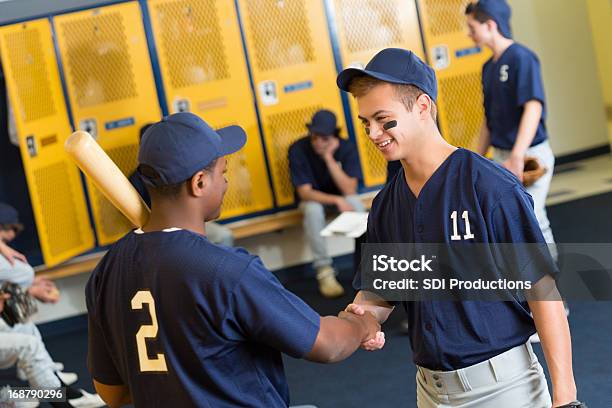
(325, 173)
(217, 233)
(468, 353)
(514, 103)
(175, 320)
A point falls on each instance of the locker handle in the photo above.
(48, 140)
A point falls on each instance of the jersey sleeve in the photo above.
(99, 358)
(529, 84)
(357, 285)
(268, 313)
(524, 248)
(299, 167)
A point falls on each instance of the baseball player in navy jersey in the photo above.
(514, 102)
(175, 320)
(468, 353)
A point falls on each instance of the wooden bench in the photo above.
(241, 229)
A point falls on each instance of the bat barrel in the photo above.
(106, 176)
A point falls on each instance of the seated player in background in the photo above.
(21, 344)
(176, 320)
(325, 172)
(217, 233)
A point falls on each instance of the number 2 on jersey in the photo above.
(147, 331)
(468, 231)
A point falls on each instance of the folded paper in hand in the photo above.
(350, 224)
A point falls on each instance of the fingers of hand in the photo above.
(376, 343)
(355, 309)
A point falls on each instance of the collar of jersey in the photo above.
(140, 231)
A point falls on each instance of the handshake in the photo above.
(365, 315)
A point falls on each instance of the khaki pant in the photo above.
(539, 190)
(513, 379)
(314, 222)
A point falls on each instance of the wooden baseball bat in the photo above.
(105, 174)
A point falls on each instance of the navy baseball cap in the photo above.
(10, 217)
(397, 66)
(500, 12)
(182, 144)
(323, 123)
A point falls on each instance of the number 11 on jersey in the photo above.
(468, 231)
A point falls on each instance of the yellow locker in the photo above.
(365, 27)
(111, 90)
(293, 69)
(458, 64)
(204, 71)
(39, 109)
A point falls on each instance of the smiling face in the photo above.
(383, 102)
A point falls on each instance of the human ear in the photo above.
(199, 183)
(423, 105)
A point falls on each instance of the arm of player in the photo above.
(367, 301)
(114, 395)
(527, 130)
(341, 336)
(484, 140)
(10, 254)
(553, 329)
(345, 183)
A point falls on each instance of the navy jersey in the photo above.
(508, 83)
(392, 168)
(447, 335)
(187, 323)
(307, 167)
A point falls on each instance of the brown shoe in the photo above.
(328, 285)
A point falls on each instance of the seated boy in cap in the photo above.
(469, 353)
(175, 320)
(325, 172)
(217, 233)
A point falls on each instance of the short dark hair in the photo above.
(407, 94)
(167, 190)
(479, 15)
(15, 227)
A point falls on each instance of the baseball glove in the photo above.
(532, 171)
(19, 307)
